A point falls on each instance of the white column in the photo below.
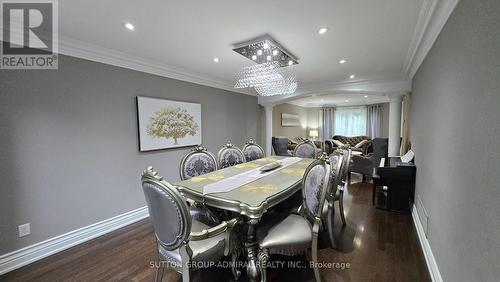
(394, 124)
(269, 128)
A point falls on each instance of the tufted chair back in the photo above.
(252, 151)
(306, 149)
(167, 209)
(314, 185)
(336, 159)
(197, 162)
(230, 155)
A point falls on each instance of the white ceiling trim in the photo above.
(385, 86)
(431, 20)
(75, 48)
(432, 17)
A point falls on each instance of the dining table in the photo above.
(247, 190)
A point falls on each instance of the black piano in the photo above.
(394, 185)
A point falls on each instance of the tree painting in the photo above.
(172, 123)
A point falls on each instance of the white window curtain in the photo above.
(326, 123)
(350, 121)
(374, 120)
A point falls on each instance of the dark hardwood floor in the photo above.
(377, 245)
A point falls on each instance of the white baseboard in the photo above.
(429, 256)
(32, 253)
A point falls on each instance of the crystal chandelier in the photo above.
(268, 79)
(272, 75)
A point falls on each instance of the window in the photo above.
(350, 121)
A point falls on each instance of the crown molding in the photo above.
(431, 20)
(79, 49)
(385, 86)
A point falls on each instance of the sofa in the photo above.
(357, 143)
(292, 143)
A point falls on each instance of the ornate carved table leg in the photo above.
(253, 270)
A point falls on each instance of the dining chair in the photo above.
(339, 195)
(328, 146)
(297, 232)
(230, 155)
(306, 149)
(252, 151)
(182, 240)
(328, 216)
(197, 162)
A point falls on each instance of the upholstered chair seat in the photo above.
(230, 155)
(252, 151)
(289, 236)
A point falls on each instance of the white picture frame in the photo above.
(165, 124)
(290, 120)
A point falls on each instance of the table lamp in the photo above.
(313, 133)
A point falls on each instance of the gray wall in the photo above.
(69, 147)
(289, 131)
(455, 133)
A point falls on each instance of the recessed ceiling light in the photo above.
(254, 57)
(343, 61)
(346, 100)
(275, 52)
(259, 52)
(352, 76)
(366, 96)
(290, 62)
(216, 59)
(129, 26)
(322, 30)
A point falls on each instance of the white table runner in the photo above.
(243, 178)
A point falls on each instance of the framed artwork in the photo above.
(290, 120)
(165, 124)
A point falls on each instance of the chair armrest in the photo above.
(213, 231)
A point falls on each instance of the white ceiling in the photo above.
(372, 35)
(339, 100)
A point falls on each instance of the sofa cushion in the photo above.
(338, 143)
(361, 144)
